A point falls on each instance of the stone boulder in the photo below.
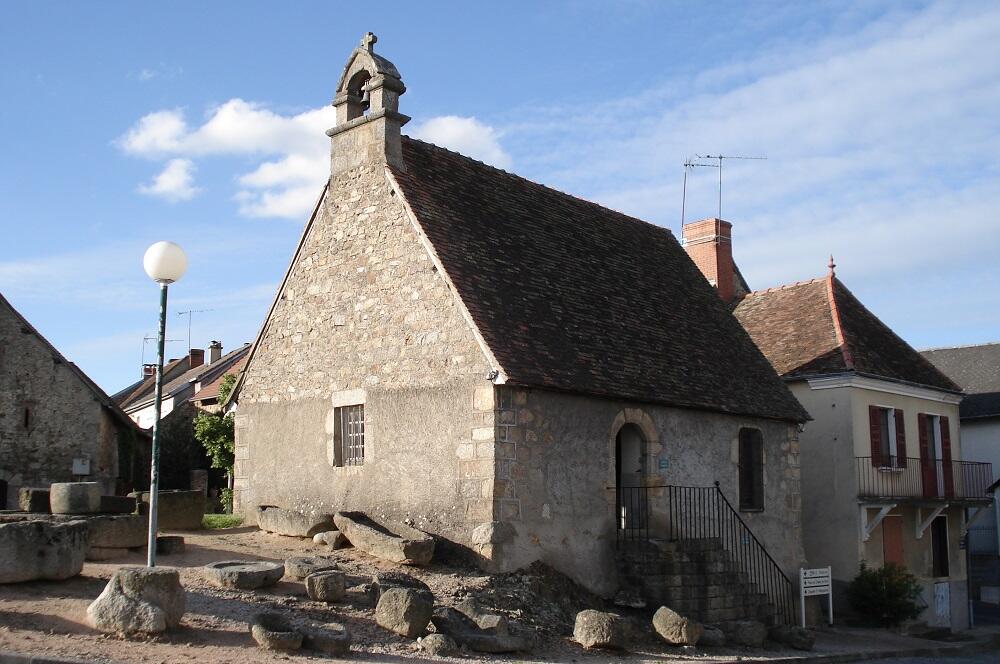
(32, 550)
(139, 600)
(33, 500)
(244, 574)
(329, 638)
(299, 567)
(464, 630)
(489, 623)
(118, 504)
(175, 510)
(75, 498)
(169, 545)
(675, 629)
(399, 544)
(404, 611)
(326, 586)
(438, 645)
(118, 531)
(749, 633)
(712, 637)
(792, 636)
(382, 581)
(331, 538)
(597, 629)
(274, 632)
(291, 523)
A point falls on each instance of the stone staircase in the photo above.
(698, 578)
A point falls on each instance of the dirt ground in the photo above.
(49, 618)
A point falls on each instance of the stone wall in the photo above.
(48, 416)
(365, 312)
(555, 477)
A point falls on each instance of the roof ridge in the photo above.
(795, 284)
(960, 346)
(619, 213)
(838, 328)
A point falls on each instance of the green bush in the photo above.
(885, 596)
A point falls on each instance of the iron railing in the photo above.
(899, 477)
(704, 513)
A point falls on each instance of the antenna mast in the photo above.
(188, 314)
(688, 165)
(720, 157)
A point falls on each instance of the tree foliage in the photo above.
(885, 596)
(215, 431)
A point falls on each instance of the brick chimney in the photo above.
(214, 352)
(196, 357)
(709, 243)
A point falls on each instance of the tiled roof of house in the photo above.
(107, 402)
(977, 369)
(145, 397)
(572, 296)
(210, 390)
(819, 327)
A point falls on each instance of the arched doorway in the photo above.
(630, 470)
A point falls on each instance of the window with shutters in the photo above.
(349, 435)
(935, 456)
(751, 470)
(888, 440)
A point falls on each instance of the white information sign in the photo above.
(813, 582)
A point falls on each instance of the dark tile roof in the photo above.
(977, 370)
(571, 296)
(106, 401)
(202, 371)
(819, 327)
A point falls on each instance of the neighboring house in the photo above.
(519, 371)
(884, 477)
(56, 425)
(206, 396)
(976, 369)
(182, 379)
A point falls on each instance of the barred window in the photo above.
(349, 435)
(751, 470)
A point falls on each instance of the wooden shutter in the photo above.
(927, 470)
(900, 440)
(875, 428)
(949, 478)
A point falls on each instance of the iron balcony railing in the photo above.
(908, 477)
(701, 513)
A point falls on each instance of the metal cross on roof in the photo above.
(368, 41)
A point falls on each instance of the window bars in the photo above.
(351, 424)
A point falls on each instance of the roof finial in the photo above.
(368, 41)
(832, 266)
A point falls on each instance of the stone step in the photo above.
(670, 546)
(686, 606)
(709, 616)
(703, 591)
(687, 580)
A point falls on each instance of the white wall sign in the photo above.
(813, 582)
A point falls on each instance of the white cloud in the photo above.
(468, 136)
(155, 134)
(174, 183)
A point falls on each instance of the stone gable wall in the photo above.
(365, 309)
(66, 420)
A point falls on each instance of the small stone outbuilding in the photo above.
(497, 360)
(56, 425)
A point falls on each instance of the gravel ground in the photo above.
(49, 618)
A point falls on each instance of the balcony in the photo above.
(914, 479)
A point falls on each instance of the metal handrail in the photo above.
(910, 477)
(704, 513)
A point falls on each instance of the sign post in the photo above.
(813, 582)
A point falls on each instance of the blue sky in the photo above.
(202, 123)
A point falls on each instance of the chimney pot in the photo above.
(709, 243)
(214, 352)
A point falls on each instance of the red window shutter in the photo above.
(875, 427)
(928, 473)
(949, 478)
(900, 440)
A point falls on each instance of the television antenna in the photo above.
(189, 313)
(719, 158)
(688, 165)
(146, 339)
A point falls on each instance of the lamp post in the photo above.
(165, 263)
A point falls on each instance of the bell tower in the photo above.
(368, 117)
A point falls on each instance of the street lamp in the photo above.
(165, 263)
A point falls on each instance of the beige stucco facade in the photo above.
(833, 477)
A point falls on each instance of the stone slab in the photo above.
(244, 574)
(122, 531)
(118, 504)
(33, 499)
(398, 543)
(291, 523)
(176, 510)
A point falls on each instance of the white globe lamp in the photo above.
(165, 262)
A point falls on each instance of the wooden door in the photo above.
(892, 539)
